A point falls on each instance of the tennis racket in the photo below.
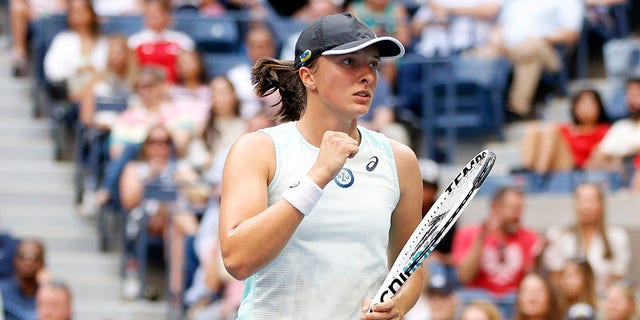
(436, 223)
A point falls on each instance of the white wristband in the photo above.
(303, 195)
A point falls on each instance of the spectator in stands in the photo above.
(77, 54)
(116, 82)
(549, 147)
(481, 310)
(22, 13)
(157, 163)
(312, 11)
(19, 292)
(54, 301)
(212, 8)
(527, 33)
(156, 44)
(622, 141)
(451, 27)
(8, 245)
(620, 302)
(438, 300)
(537, 299)
(578, 284)
(149, 106)
(191, 92)
(259, 43)
(222, 127)
(105, 8)
(599, 18)
(211, 277)
(385, 18)
(491, 258)
(606, 247)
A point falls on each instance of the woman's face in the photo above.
(188, 66)
(79, 15)
(223, 98)
(533, 297)
(346, 83)
(572, 280)
(156, 17)
(586, 109)
(118, 55)
(149, 89)
(158, 144)
(588, 204)
(617, 305)
(474, 313)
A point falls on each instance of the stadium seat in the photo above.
(609, 181)
(124, 25)
(211, 34)
(619, 13)
(44, 30)
(447, 99)
(218, 64)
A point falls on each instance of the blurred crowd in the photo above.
(152, 122)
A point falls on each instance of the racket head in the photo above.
(442, 215)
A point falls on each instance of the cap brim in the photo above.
(389, 47)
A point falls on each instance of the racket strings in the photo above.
(427, 242)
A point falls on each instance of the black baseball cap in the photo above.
(338, 34)
(439, 283)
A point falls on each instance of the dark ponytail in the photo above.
(269, 75)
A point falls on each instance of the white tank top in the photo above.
(337, 257)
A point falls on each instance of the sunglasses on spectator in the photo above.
(158, 142)
(29, 256)
(148, 85)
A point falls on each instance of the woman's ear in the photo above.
(307, 78)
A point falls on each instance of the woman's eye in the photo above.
(374, 65)
(348, 61)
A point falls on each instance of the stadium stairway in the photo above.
(37, 200)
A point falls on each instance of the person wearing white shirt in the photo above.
(526, 33)
(452, 26)
(623, 138)
(259, 44)
(117, 7)
(606, 247)
(81, 49)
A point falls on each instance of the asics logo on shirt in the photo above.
(372, 164)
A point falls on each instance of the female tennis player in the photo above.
(315, 210)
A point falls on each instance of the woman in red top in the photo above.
(567, 146)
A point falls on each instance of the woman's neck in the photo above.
(153, 105)
(191, 83)
(585, 126)
(85, 33)
(313, 130)
(587, 231)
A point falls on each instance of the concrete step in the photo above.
(36, 170)
(37, 196)
(83, 265)
(15, 152)
(121, 310)
(17, 107)
(31, 211)
(67, 219)
(20, 127)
